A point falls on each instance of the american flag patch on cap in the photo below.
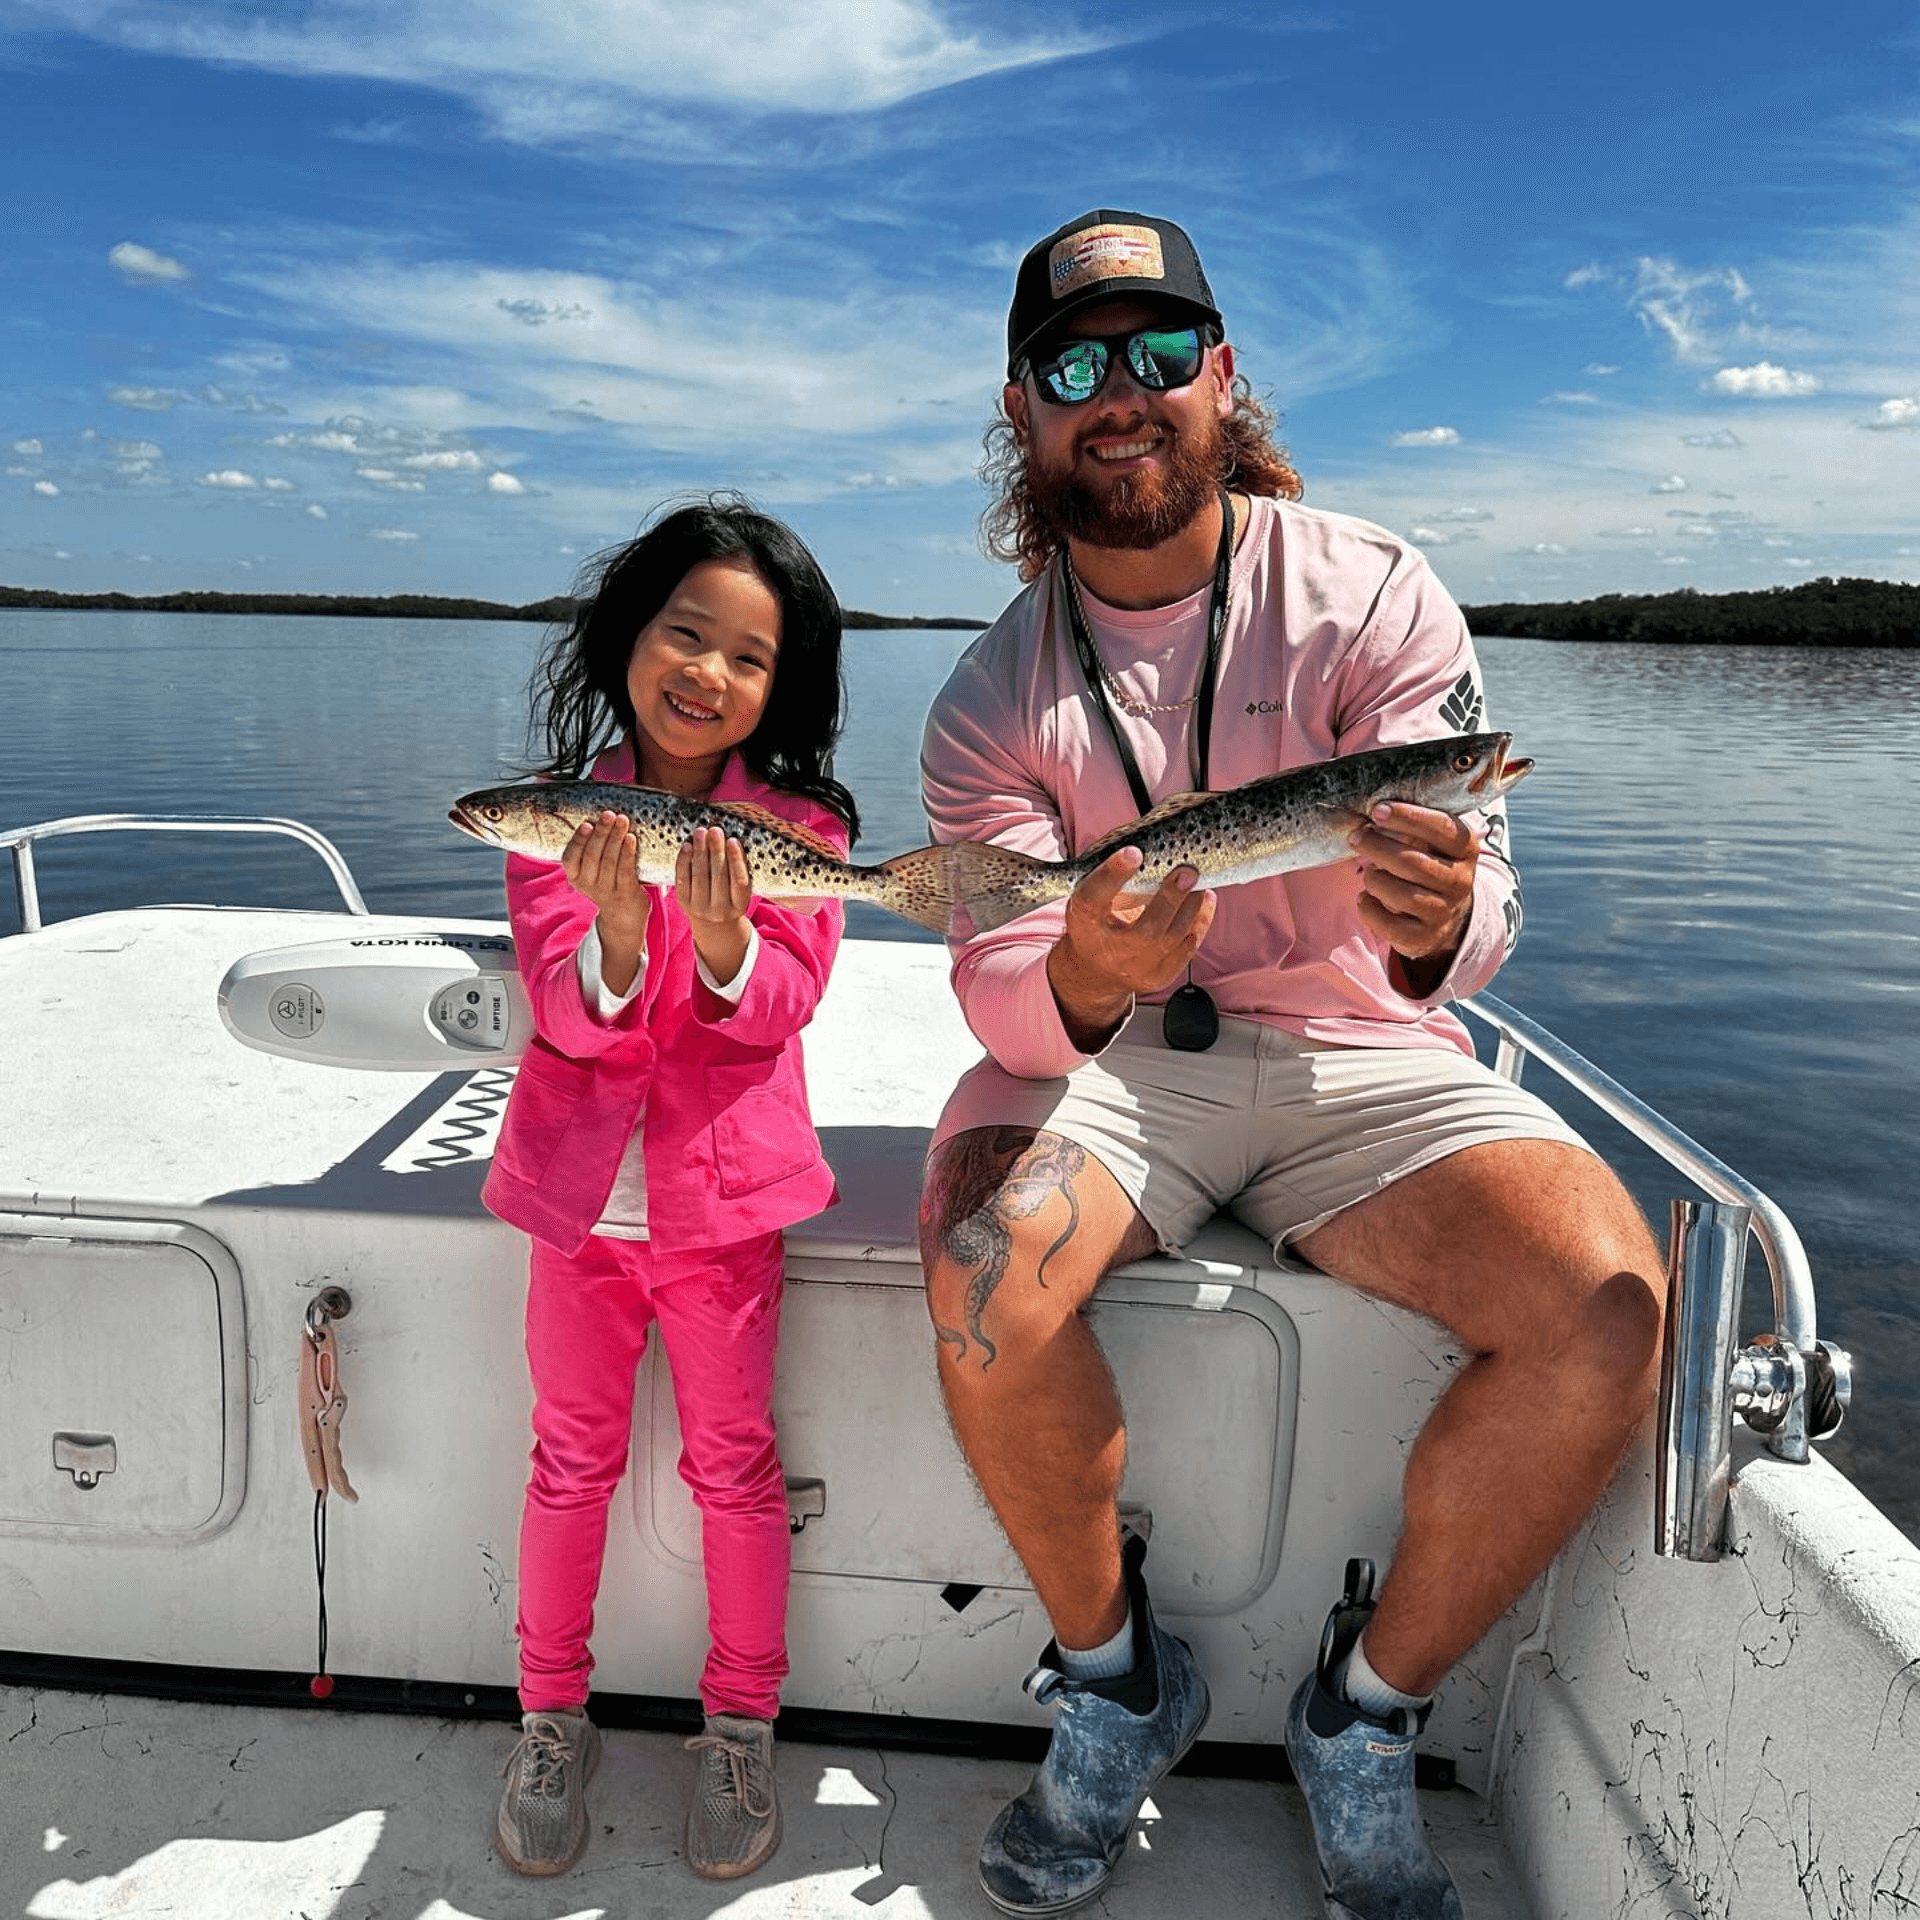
(1104, 253)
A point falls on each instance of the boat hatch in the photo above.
(122, 1379)
(860, 1416)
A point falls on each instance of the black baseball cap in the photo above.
(1103, 255)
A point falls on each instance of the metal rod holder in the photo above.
(1706, 1260)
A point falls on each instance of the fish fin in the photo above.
(993, 885)
(803, 903)
(919, 886)
(1167, 809)
(747, 812)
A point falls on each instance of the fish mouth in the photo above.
(1499, 773)
(469, 822)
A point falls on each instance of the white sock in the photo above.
(1110, 1660)
(1361, 1687)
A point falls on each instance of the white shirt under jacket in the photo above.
(1338, 638)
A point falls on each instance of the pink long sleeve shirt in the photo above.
(718, 1087)
(1338, 638)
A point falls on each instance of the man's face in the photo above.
(1129, 468)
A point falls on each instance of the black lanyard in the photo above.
(1189, 1022)
(1216, 630)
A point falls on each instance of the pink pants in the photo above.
(587, 1320)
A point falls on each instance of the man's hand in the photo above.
(714, 888)
(1416, 887)
(1117, 946)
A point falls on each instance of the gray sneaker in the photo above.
(734, 1823)
(1059, 1843)
(542, 1826)
(1357, 1775)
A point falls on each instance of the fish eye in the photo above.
(1464, 762)
(494, 813)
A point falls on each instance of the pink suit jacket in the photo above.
(729, 1142)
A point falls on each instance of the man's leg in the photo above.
(1017, 1229)
(1534, 1255)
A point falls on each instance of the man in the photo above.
(1187, 627)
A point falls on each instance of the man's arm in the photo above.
(1116, 946)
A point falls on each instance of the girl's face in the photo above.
(700, 673)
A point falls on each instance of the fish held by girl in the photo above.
(788, 863)
(1288, 821)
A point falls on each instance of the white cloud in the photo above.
(1903, 412)
(1764, 381)
(546, 74)
(1569, 400)
(34, 446)
(143, 266)
(460, 460)
(1690, 308)
(1720, 440)
(144, 399)
(1626, 533)
(1599, 371)
(229, 477)
(1673, 483)
(274, 484)
(1428, 437)
(46, 489)
(398, 536)
(1460, 513)
(315, 511)
(1441, 536)
(504, 483)
(391, 481)
(870, 358)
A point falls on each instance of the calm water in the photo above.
(1722, 906)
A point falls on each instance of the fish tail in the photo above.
(993, 885)
(918, 886)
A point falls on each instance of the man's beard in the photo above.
(1139, 509)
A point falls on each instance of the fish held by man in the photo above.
(788, 864)
(1288, 821)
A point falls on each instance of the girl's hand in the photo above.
(711, 882)
(602, 862)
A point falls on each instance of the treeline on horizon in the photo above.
(1817, 613)
(385, 606)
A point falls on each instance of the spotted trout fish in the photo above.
(1288, 821)
(787, 862)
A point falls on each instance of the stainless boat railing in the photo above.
(20, 842)
(1785, 1385)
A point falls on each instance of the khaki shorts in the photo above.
(1282, 1132)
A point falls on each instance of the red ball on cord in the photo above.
(320, 1685)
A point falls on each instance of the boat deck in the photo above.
(137, 1807)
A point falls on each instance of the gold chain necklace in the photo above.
(1125, 701)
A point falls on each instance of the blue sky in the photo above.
(410, 295)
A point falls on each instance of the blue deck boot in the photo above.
(1357, 1775)
(1059, 1843)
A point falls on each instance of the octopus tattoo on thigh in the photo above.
(980, 1185)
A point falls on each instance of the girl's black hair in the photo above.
(583, 706)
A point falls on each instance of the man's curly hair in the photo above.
(1010, 528)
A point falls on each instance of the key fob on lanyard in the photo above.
(1190, 1022)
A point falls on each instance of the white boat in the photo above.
(1710, 1705)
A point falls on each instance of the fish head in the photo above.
(1483, 761)
(528, 820)
(1461, 774)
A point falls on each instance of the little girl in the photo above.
(658, 1140)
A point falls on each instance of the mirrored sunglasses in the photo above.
(1070, 372)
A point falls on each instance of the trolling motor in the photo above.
(1792, 1393)
(435, 1001)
